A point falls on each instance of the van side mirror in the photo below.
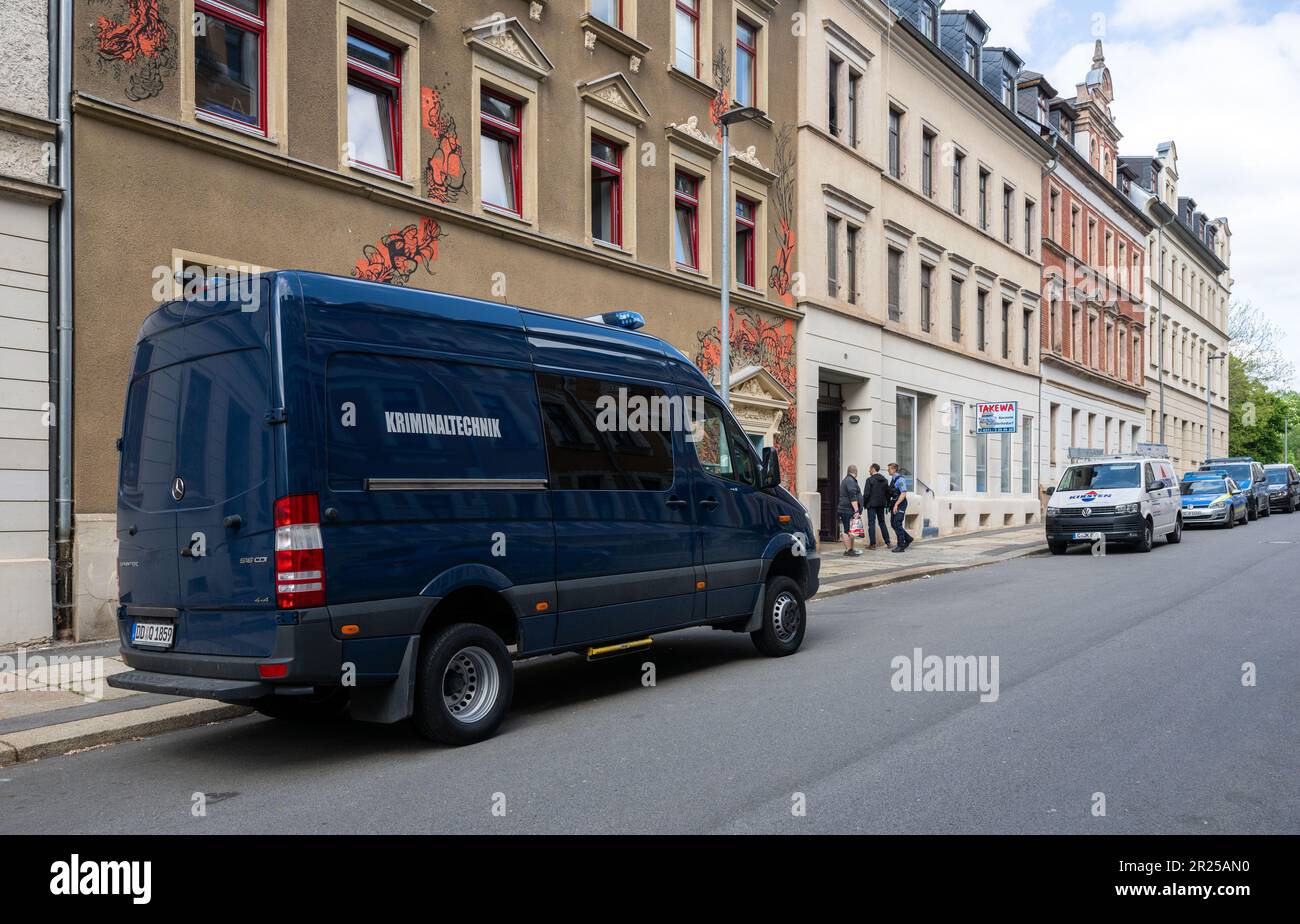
(770, 469)
(1051, 489)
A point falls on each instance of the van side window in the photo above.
(621, 443)
(720, 447)
(1151, 484)
(414, 419)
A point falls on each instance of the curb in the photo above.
(851, 585)
(54, 740)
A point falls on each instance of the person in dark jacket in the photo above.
(850, 503)
(898, 493)
(876, 493)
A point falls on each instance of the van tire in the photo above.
(1252, 511)
(783, 603)
(1144, 544)
(1058, 548)
(445, 706)
(1176, 536)
(321, 706)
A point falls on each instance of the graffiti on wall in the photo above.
(140, 47)
(771, 345)
(722, 86)
(398, 254)
(445, 172)
(780, 278)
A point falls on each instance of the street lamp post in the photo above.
(741, 114)
(1209, 396)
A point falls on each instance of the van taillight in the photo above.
(299, 553)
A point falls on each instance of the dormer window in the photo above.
(1042, 110)
(929, 20)
(972, 59)
(1008, 98)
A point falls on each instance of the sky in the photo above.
(1220, 78)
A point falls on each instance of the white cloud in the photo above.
(1225, 92)
(1009, 20)
(1145, 14)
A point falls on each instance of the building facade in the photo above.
(560, 155)
(27, 195)
(1190, 285)
(922, 263)
(1094, 257)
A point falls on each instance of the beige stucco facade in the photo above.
(1189, 288)
(879, 381)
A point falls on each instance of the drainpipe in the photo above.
(61, 52)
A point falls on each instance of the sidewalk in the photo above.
(841, 574)
(44, 713)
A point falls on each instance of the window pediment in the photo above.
(508, 41)
(614, 93)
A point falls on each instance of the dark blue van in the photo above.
(340, 494)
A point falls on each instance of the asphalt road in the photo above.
(1119, 675)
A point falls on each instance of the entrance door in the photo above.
(828, 471)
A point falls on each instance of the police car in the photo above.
(1210, 498)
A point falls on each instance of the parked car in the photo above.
(1212, 499)
(1283, 487)
(369, 495)
(1121, 499)
(1249, 476)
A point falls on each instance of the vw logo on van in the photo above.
(1087, 511)
(178, 487)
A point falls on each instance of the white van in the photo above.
(1122, 499)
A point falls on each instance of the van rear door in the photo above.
(225, 516)
(197, 450)
(146, 514)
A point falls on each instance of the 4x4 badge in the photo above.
(178, 488)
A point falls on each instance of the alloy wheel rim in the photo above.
(471, 684)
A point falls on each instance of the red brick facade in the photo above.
(1093, 281)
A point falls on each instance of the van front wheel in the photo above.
(784, 619)
(464, 684)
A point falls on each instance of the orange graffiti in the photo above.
(717, 106)
(143, 35)
(398, 254)
(779, 279)
(445, 172)
(771, 345)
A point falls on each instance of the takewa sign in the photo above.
(998, 417)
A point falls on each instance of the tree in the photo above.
(1254, 340)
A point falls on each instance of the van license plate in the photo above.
(1089, 536)
(153, 634)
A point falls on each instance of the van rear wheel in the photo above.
(464, 684)
(1177, 535)
(784, 618)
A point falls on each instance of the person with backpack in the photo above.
(898, 504)
(876, 494)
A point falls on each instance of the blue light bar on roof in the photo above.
(628, 320)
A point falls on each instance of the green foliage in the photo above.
(1258, 415)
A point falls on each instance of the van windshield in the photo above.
(1276, 475)
(1106, 475)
